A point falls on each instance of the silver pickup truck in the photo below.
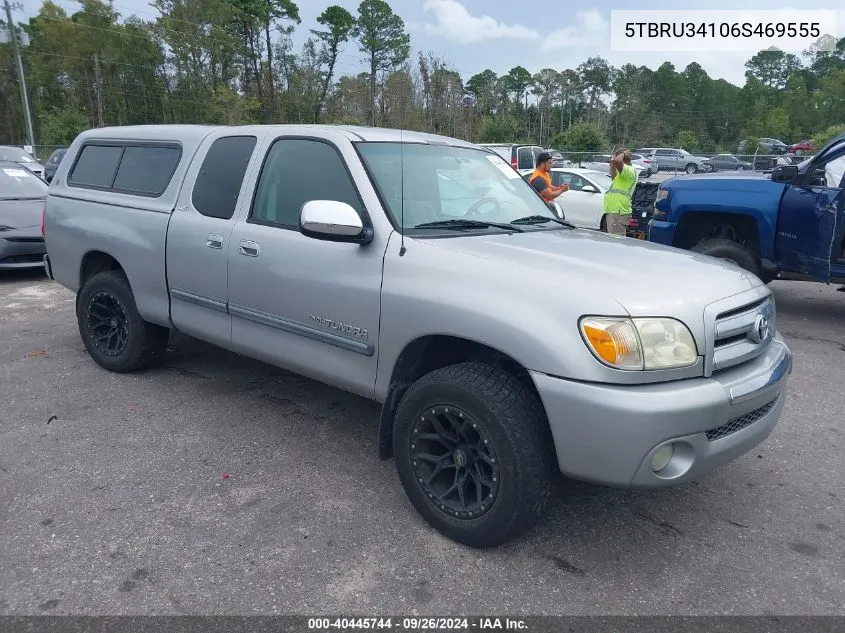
(424, 273)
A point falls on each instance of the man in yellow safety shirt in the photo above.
(617, 199)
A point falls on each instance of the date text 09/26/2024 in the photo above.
(417, 624)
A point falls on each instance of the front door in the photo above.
(198, 237)
(584, 209)
(306, 305)
(812, 213)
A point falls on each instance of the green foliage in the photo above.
(687, 140)
(823, 138)
(60, 127)
(501, 129)
(581, 137)
(233, 61)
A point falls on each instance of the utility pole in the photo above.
(13, 38)
(97, 81)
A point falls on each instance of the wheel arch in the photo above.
(425, 354)
(739, 226)
(96, 261)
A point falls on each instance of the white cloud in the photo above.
(587, 32)
(455, 22)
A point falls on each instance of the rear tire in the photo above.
(115, 335)
(496, 445)
(730, 250)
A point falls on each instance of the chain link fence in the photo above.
(677, 165)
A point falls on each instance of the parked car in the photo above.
(523, 158)
(22, 196)
(727, 162)
(583, 204)
(601, 162)
(803, 146)
(774, 146)
(669, 159)
(791, 221)
(10, 153)
(648, 163)
(558, 160)
(504, 346)
(53, 163)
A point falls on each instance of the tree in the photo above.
(581, 137)
(595, 77)
(339, 23)
(517, 81)
(772, 68)
(382, 38)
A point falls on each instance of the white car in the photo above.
(583, 204)
(602, 163)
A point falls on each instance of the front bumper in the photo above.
(608, 434)
(21, 252)
(661, 232)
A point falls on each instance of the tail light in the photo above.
(514, 164)
(44, 222)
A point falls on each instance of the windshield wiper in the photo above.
(467, 224)
(542, 219)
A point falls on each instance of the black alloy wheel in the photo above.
(106, 320)
(454, 462)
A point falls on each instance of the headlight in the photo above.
(639, 343)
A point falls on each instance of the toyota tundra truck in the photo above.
(789, 223)
(422, 272)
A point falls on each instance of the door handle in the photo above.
(214, 241)
(248, 248)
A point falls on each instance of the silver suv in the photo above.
(669, 159)
(422, 272)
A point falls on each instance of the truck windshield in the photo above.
(450, 183)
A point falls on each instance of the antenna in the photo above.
(402, 179)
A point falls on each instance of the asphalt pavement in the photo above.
(217, 484)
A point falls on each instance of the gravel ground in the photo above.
(113, 498)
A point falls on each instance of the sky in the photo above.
(473, 35)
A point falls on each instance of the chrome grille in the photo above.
(743, 333)
(732, 426)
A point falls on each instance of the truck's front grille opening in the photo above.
(737, 337)
(732, 426)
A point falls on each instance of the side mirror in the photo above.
(589, 189)
(784, 173)
(333, 221)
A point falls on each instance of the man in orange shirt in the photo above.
(541, 179)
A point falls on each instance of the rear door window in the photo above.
(221, 176)
(525, 158)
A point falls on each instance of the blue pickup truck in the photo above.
(791, 221)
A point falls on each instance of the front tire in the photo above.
(474, 453)
(691, 168)
(115, 335)
(732, 251)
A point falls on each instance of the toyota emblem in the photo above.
(761, 332)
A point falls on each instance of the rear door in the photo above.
(812, 217)
(198, 235)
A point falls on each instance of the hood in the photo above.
(647, 279)
(20, 214)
